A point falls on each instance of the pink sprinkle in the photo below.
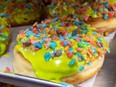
(79, 49)
(79, 59)
(7, 69)
(69, 55)
(47, 40)
(35, 48)
(69, 43)
(86, 18)
(47, 21)
(77, 39)
(111, 14)
(105, 12)
(62, 43)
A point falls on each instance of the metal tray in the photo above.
(24, 81)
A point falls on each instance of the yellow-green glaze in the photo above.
(4, 33)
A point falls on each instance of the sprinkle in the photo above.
(5, 15)
(28, 6)
(52, 6)
(74, 15)
(79, 49)
(27, 43)
(66, 48)
(29, 33)
(105, 16)
(44, 25)
(1, 27)
(72, 62)
(77, 39)
(89, 63)
(71, 49)
(52, 45)
(81, 68)
(65, 43)
(58, 53)
(39, 26)
(69, 55)
(66, 84)
(38, 45)
(47, 56)
(7, 69)
(69, 43)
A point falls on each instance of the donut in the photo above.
(21, 12)
(4, 34)
(51, 52)
(99, 14)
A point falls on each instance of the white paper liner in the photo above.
(6, 60)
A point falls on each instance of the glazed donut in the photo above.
(4, 34)
(99, 14)
(51, 52)
(21, 12)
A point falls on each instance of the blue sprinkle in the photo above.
(51, 6)
(94, 33)
(56, 19)
(47, 56)
(65, 43)
(76, 23)
(72, 62)
(99, 40)
(82, 57)
(74, 33)
(81, 68)
(44, 25)
(89, 63)
(28, 6)
(4, 36)
(27, 12)
(81, 22)
(71, 49)
(44, 32)
(108, 50)
(52, 45)
(1, 27)
(38, 45)
(42, 41)
(61, 24)
(37, 35)
(5, 15)
(29, 33)
(78, 54)
(105, 16)
(75, 16)
(66, 84)
(61, 37)
(88, 43)
(75, 6)
(73, 37)
(85, 31)
(55, 29)
(94, 50)
(69, 35)
(39, 26)
(106, 5)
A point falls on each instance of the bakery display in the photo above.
(60, 49)
(21, 12)
(100, 14)
(4, 34)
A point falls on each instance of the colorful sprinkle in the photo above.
(47, 56)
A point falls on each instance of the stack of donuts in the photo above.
(69, 45)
